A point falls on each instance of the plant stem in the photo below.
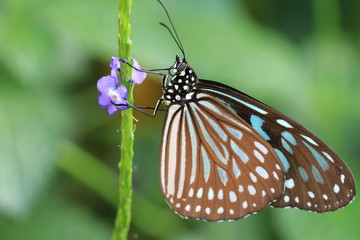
(123, 218)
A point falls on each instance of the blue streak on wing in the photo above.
(283, 159)
(223, 175)
(194, 144)
(239, 152)
(303, 174)
(218, 129)
(322, 162)
(249, 105)
(236, 133)
(288, 136)
(257, 123)
(236, 169)
(286, 146)
(316, 174)
(206, 163)
(207, 136)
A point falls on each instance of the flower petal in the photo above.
(104, 83)
(137, 77)
(115, 63)
(111, 109)
(122, 107)
(114, 74)
(103, 100)
(122, 91)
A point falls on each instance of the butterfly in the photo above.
(225, 155)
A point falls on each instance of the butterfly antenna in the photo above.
(177, 39)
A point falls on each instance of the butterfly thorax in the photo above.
(183, 81)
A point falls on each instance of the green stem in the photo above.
(123, 218)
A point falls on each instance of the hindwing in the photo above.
(215, 166)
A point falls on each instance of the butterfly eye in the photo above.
(181, 66)
(172, 71)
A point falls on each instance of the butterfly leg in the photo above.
(152, 71)
(143, 112)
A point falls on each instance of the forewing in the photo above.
(316, 177)
(213, 165)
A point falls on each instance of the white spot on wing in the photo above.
(275, 175)
(311, 194)
(262, 172)
(232, 196)
(210, 194)
(277, 166)
(251, 189)
(259, 156)
(207, 211)
(342, 178)
(289, 183)
(198, 208)
(220, 194)
(220, 210)
(253, 177)
(199, 193)
(328, 156)
(261, 147)
(284, 123)
(191, 192)
(310, 140)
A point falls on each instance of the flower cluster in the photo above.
(113, 95)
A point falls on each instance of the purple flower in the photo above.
(137, 77)
(110, 93)
(115, 66)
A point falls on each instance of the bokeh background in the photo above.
(59, 149)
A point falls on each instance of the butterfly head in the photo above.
(180, 82)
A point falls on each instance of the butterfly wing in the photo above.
(213, 165)
(316, 177)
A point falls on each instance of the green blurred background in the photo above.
(58, 148)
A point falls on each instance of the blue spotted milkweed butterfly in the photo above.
(225, 155)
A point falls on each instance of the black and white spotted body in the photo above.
(183, 82)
